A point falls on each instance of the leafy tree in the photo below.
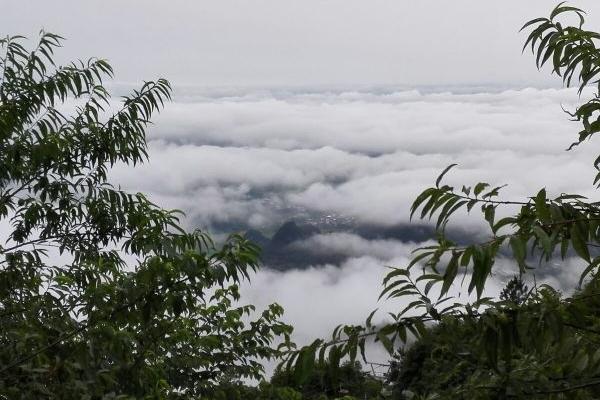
(102, 293)
(273, 392)
(437, 362)
(516, 291)
(443, 362)
(537, 346)
(330, 381)
(323, 383)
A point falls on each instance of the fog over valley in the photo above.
(324, 180)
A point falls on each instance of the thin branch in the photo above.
(30, 242)
(489, 201)
(581, 328)
(566, 389)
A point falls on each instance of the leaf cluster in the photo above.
(102, 293)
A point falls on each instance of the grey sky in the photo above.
(287, 42)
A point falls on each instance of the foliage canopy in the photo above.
(102, 293)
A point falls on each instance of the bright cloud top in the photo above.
(246, 157)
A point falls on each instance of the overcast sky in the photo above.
(292, 42)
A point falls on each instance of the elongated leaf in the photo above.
(450, 273)
(441, 176)
(387, 343)
(579, 243)
(368, 322)
(519, 248)
(533, 22)
(590, 268)
(541, 208)
(420, 199)
(543, 238)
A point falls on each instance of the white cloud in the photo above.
(373, 123)
(320, 298)
(365, 155)
(259, 159)
(354, 246)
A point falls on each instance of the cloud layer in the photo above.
(247, 157)
(243, 160)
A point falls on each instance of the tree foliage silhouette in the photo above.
(102, 293)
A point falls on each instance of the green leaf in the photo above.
(441, 176)
(427, 193)
(482, 263)
(450, 273)
(562, 9)
(541, 207)
(387, 343)
(543, 238)
(503, 222)
(299, 372)
(368, 322)
(533, 22)
(579, 243)
(489, 214)
(591, 267)
(519, 249)
(480, 187)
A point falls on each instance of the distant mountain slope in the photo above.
(282, 251)
(290, 232)
(257, 237)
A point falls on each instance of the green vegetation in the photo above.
(347, 382)
(445, 362)
(528, 344)
(103, 295)
(131, 305)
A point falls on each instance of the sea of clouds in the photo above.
(360, 154)
(252, 158)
